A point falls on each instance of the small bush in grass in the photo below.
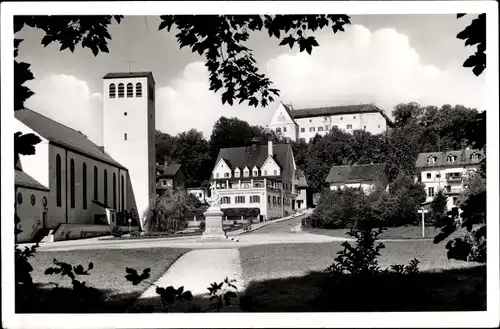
(202, 225)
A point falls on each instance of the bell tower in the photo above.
(129, 132)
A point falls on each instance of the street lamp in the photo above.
(423, 212)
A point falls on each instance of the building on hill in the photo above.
(365, 177)
(306, 123)
(200, 193)
(256, 176)
(85, 182)
(445, 171)
(169, 176)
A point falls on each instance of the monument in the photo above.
(213, 222)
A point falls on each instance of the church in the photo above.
(72, 185)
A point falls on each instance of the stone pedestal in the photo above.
(213, 224)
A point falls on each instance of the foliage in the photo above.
(202, 225)
(409, 196)
(438, 208)
(24, 144)
(361, 259)
(221, 294)
(238, 212)
(22, 266)
(473, 183)
(169, 211)
(475, 34)
(231, 65)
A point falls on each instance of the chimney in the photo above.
(270, 148)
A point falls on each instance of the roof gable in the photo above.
(282, 115)
(22, 179)
(168, 170)
(357, 173)
(63, 136)
(463, 157)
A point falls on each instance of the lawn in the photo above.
(109, 269)
(279, 277)
(402, 232)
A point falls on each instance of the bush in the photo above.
(238, 212)
(202, 225)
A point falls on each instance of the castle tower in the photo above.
(129, 132)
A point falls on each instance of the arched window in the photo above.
(84, 185)
(58, 181)
(105, 187)
(130, 90)
(138, 90)
(123, 193)
(114, 191)
(112, 90)
(72, 182)
(96, 182)
(121, 90)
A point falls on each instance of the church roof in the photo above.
(63, 136)
(117, 75)
(356, 173)
(22, 179)
(337, 110)
(463, 157)
(248, 156)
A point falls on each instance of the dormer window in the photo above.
(475, 156)
(451, 158)
(246, 172)
(431, 160)
(255, 173)
(236, 173)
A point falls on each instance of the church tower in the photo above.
(129, 132)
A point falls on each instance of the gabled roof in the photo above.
(463, 158)
(288, 111)
(356, 173)
(301, 177)
(118, 75)
(248, 156)
(337, 110)
(22, 179)
(63, 136)
(168, 170)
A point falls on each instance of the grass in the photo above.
(401, 232)
(108, 274)
(289, 277)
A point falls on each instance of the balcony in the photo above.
(456, 177)
(452, 191)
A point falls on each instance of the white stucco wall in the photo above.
(222, 169)
(281, 119)
(301, 196)
(269, 167)
(31, 215)
(137, 151)
(37, 165)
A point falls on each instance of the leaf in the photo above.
(460, 15)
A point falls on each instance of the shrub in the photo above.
(238, 212)
(202, 225)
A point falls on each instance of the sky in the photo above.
(384, 59)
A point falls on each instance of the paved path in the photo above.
(195, 271)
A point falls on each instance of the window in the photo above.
(114, 191)
(105, 187)
(19, 198)
(138, 89)
(474, 156)
(428, 175)
(275, 172)
(268, 199)
(438, 175)
(310, 120)
(225, 200)
(364, 127)
(327, 128)
(84, 185)
(254, 199)
(451, 158)
(217, 175)
(130, 90)
(274, 200)
(121, 90)
(265, 172)
(279, 200)
(226, 174)
(255, 173)
(278, 130)
(430, 191)
(96, 187)
(33, 199)
(240, 199)
(349, 126)
(72, 182)
(312, 129)
(123, 193)
(284, 129)
(379, 126)
(431, 159)
(112, 90)
(125, 136)
(320, 128)
(58, 181)
(354, 117)
(335, 126)
(341, 118)
(246, 173)
(302, 130)
(236, 173)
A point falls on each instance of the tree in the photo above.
(474, 184)
(410, 196)
(230, 132)
(475, 34)
(164, 144)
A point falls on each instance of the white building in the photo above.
(256, 176)
(303, 198)
(306, 123)
(84, 181)
(199, 193)
(365, 177)
(445, 171)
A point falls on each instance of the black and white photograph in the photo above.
(250, 164)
